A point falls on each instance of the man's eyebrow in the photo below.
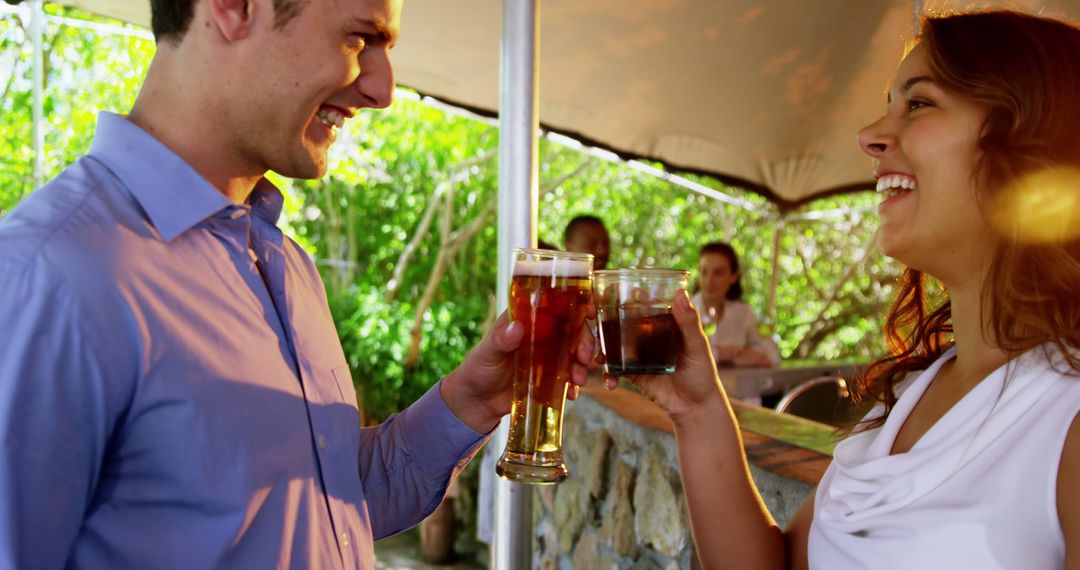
(911, 82)
(379, 26)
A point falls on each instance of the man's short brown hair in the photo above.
(170, 19)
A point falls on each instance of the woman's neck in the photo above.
(976, 354)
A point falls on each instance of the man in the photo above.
(172, 390)
(587, 234)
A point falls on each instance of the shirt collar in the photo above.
(174, 195)
(266, 201)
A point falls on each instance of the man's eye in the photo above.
(357, 41)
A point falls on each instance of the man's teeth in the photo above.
(895, 184)
(330, 118)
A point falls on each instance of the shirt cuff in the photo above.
(436, 436)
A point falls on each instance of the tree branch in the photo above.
(450, 243)
(806, 270)
(562, 179)
(837, 286)
(457, 173)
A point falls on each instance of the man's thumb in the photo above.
(505, 337)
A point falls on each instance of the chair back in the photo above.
(825, 399)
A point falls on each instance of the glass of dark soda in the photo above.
(638, 333)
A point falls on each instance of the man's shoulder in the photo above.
(74, 212)
(69, 228)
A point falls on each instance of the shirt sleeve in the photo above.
(408, 462)
(54, 405)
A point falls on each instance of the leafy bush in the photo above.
(376, 336)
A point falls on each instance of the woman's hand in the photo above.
(695, 385)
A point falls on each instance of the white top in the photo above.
(978, 490)
(738, 327)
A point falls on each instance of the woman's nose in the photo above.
(875, 139)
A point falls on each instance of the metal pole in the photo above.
(37, 38)
(518, 125)
(916, 16)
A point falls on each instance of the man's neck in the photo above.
(183, 124)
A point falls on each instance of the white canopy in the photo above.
(767, 94)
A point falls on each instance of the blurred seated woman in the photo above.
(730, 323)
(971, 455)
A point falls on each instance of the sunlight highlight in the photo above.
(1043, 207)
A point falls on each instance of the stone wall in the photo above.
(622, 506)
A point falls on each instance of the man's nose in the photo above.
(376, 81)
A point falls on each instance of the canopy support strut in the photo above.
(519, 124)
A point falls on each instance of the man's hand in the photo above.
(480, 390)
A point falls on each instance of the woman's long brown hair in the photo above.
(1026, 71)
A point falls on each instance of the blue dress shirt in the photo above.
(173, 393)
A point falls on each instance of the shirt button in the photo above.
(322, 441)
(345, 540)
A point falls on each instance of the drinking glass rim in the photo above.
(576, 255)
(643, 272)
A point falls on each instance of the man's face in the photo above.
(310, 76)
(591, 238)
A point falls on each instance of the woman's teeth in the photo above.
(895, 184)
(330, 118)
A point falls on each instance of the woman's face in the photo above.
(925, 150)
(715, 276)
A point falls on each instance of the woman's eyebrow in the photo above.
(911, 82)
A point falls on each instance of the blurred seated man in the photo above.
(587, 234)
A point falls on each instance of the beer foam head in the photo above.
(552, 268)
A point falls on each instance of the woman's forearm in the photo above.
(732, 527)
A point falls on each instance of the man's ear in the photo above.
(233, 18)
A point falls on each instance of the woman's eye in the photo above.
(916, 104)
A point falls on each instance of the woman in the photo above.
(971, 458)
(732, 326)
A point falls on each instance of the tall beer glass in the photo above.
(549, 295)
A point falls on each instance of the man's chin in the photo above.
(311, 168)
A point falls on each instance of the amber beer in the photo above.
(549, 295)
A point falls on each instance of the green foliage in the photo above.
(376, 336)
(84, 72)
